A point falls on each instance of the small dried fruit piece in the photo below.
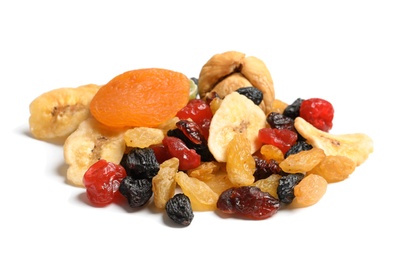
(286, 186)
(303, 161)
(57, 113)
(355, 146)
(102, 181)
(205, 171)
(240, 163)
(202, 197)
(137, 191)
(140, 163)
(269, 151)
(269, 184)
(179, 209)
(281, 138)
(164, 183)
(248, 202)
(309, 191)
(236, 115)
(334, 168)
(91, 142)
(143, 137)
(220, 182)
(318, 112)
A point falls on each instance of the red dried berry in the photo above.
(281, 138)
(188, 158)
(318, 112)
(249, 202)
(199, 111)
(102, 181)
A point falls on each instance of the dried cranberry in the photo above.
(280, 121)
(248, 202)
(318, 112)
(198, 110)
(102, 181)
(265, 168)
(281, 138)
(188, 158)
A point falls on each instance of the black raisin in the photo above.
(280, 121)
(265, 168)
(252, 93)
(293, 110)
(298, 147)
(286, 186)
(137, 191)
(140, 163)
(179, 209)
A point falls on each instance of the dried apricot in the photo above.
(142, 97)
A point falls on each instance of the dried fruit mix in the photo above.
(224, 140)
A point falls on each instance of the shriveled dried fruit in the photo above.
(202, 197)
(293, 110)
(280, 121)
(286, 186)
(303, 161)
(319, 112)
(252, 93)
(143, 137)
(205, 171)
(334, 168)
(281, 138)
(300, 145)
(271, 152)
(248, 202)
(241, 165)
(309, 191)
(220, 182)
(179, 209)
(265, 168)
(269, 184)
(137, 191)
(140, 163)
(164, 183)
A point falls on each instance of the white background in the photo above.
(343, 51)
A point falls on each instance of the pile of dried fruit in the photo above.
(220, 142)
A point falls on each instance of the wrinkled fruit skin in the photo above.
(179, 209)
(318, 112)
(286, 187)
(102, 181)
(137, 191)
(248, 202)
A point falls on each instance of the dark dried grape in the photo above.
(265, 168)
(202, 149)
(140, 163)
(248, 202)
(286, 186)
(137, 191)
(280, 121)
(179, 209)
(252, 93)
(298, 147)
(293, 110)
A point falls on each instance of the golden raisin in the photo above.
(164, 183)
(269, 184)
(205, 171)
(309, 190)
(334, 168)
(303, 161)
(269, 151)
(202, 197)
(240, 163)
(143, 137)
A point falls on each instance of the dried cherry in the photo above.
(318, 112)
(188, 158)
(102, 181)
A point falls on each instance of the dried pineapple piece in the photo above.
(91, 142)
(57, 113)
(356, 146)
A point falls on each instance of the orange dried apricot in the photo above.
(142, 97)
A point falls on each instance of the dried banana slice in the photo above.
(57, 113)
(91, 142)
(356, 146)
(218, 72)
(236, 114)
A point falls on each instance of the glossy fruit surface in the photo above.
(318, 112)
